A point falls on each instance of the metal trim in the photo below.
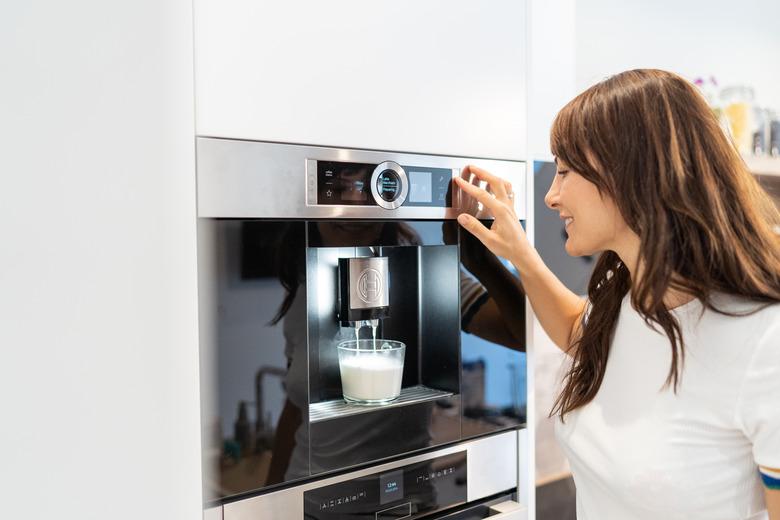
(255, 179)
(490, 461)
(509, 510)
(311, 182)
(407, 504)
(338, 408)
(403, 179)
(360, 267)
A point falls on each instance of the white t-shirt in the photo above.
(640, 451)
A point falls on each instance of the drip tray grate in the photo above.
(339, 408)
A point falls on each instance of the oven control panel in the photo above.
(408, 492)
(388, 184)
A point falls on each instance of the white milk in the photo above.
(369, 376)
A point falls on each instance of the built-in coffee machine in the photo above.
(362, 357)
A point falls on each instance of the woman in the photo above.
(671, 406)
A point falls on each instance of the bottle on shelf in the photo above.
(738, 102)
(773, 146)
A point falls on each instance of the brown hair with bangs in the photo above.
(648, 140)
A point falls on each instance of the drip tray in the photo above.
(338, 408)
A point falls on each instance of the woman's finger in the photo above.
(497, 184)
(468, 204)
(481, 195)
(474, 226)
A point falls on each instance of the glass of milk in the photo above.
(371, 370)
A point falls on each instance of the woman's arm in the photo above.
(558, 309)
(773, 503)
(771, 491)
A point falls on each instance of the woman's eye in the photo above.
(562, 172)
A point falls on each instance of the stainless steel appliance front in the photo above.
(270, 243)
(492, 468)
(249, 179)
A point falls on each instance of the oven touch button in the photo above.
(389, 185)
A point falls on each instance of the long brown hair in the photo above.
(647, 139)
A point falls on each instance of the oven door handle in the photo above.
(509, 510)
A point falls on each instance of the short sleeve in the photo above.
(758, 404)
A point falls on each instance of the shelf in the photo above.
(339, 408)
(763, 165)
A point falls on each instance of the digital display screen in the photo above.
(353, 189)
(391, 486)
(420, 189)
(430, 187)
(388, 184)
(344, 183)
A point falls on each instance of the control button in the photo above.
(395, 513)
(329, 194)
(389, 185)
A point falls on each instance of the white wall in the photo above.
(98, 326)
(551, 85)
(439, 76)
(552, 68)
(737, 42)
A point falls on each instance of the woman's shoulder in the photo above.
(754, 321)
(742, 307)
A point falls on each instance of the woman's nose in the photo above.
(551, 199)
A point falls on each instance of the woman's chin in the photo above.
(572, 249)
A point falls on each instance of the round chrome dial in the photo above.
(389, 185)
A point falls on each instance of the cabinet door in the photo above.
(439, 76)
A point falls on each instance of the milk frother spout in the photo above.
(363, 292)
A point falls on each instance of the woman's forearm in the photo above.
(558, 309)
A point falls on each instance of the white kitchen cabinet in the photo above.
(442, 77)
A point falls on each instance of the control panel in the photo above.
(388, 185)
(408, 492)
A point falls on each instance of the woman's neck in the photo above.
(628, 251)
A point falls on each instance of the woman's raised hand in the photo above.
(506, 237)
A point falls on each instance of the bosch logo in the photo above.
(369, 285)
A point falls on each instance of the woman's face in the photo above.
(592, 220)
